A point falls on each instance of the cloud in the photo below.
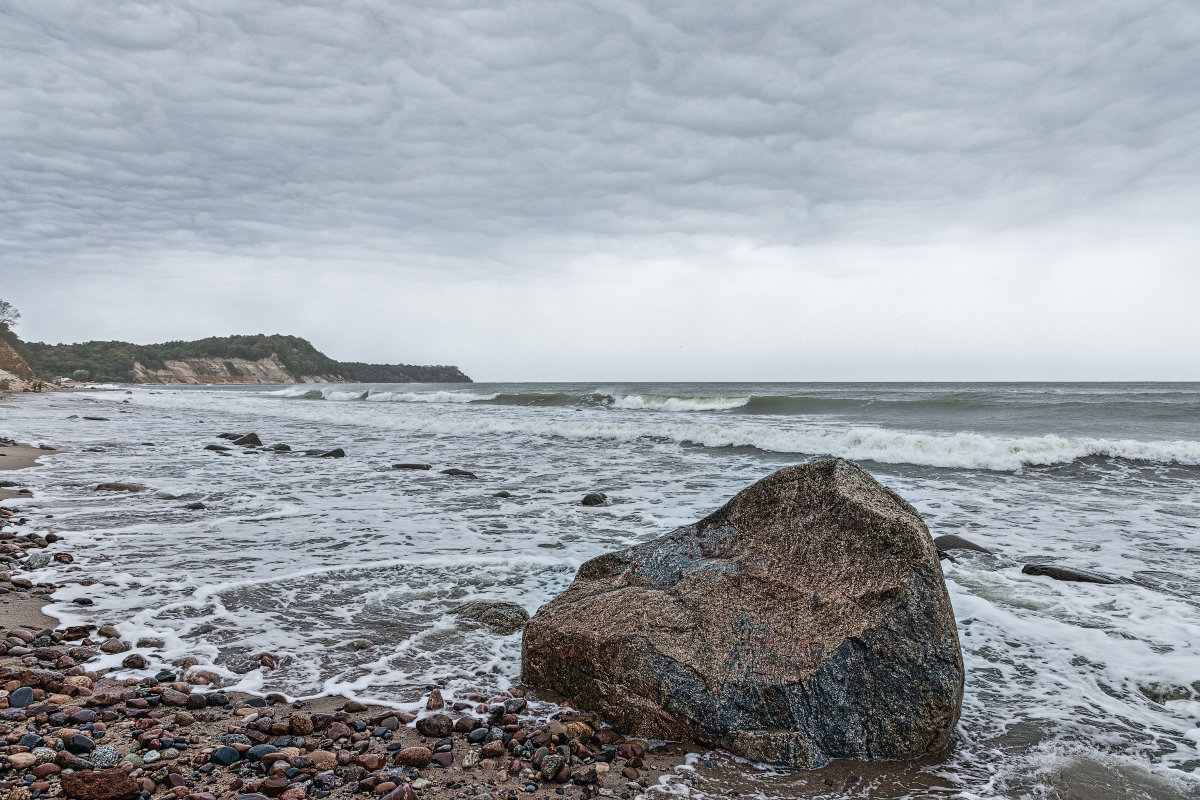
(487, 148)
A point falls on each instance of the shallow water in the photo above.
(1073, 689)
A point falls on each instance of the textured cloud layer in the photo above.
(448, 144)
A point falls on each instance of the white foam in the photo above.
(658, 402)
(799, 436)
(301, 556)
(429, 397)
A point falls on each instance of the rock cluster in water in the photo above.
(804, 621)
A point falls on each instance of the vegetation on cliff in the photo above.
(114, 361)
(403, 373)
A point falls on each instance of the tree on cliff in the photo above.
(8, 315)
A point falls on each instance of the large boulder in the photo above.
(804, 621)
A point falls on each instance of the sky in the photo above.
(761, 190)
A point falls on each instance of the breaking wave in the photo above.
(861, 443)
(631, 402)
(338, 393)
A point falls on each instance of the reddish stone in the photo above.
(401, 792)
(273, 787)
(493, 749)
(300, 725)
(631, 773)
(337, 730)
(371, 761)
(414, 757)
(108, 784)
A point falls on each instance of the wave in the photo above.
(658, 402)
(342, 394)
(860, 443)
(428, 397)
(630, 402)
(954, 410)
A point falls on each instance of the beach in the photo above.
(345, 571)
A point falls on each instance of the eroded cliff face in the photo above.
(225, 370)
(14, 372)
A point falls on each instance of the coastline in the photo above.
(16, 607)
(208, 743)
(173, 732)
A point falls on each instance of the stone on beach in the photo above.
(108, 784)
(117, 487)
(806, 620)
(435, 726)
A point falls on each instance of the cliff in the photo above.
(14, 372)
(225, 370)
(229, 359)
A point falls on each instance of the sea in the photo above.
(349, 569)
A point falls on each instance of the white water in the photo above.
(302, 556)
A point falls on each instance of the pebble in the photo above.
(21, 698)
(224, 756)
(258, 751)
(105, 756)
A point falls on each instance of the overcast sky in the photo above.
(820, 190)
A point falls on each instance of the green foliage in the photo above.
(81, 375)
(403, 373)
(113, 361)
(8, 315)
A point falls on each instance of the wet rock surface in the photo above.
(1068, 574)
(499, 616)
(804, 621)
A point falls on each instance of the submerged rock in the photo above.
(1067, 574)
(412, 466)
(949, 542)
(249, 440)
(117, 487)
(804, 621)
(594, 499)
(500, 616)
(461, 473)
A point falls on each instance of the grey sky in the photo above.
(860, 189)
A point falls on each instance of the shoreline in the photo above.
(485, 745)
(207, 743)
(18, 609)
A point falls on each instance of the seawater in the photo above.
(1069, 685)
